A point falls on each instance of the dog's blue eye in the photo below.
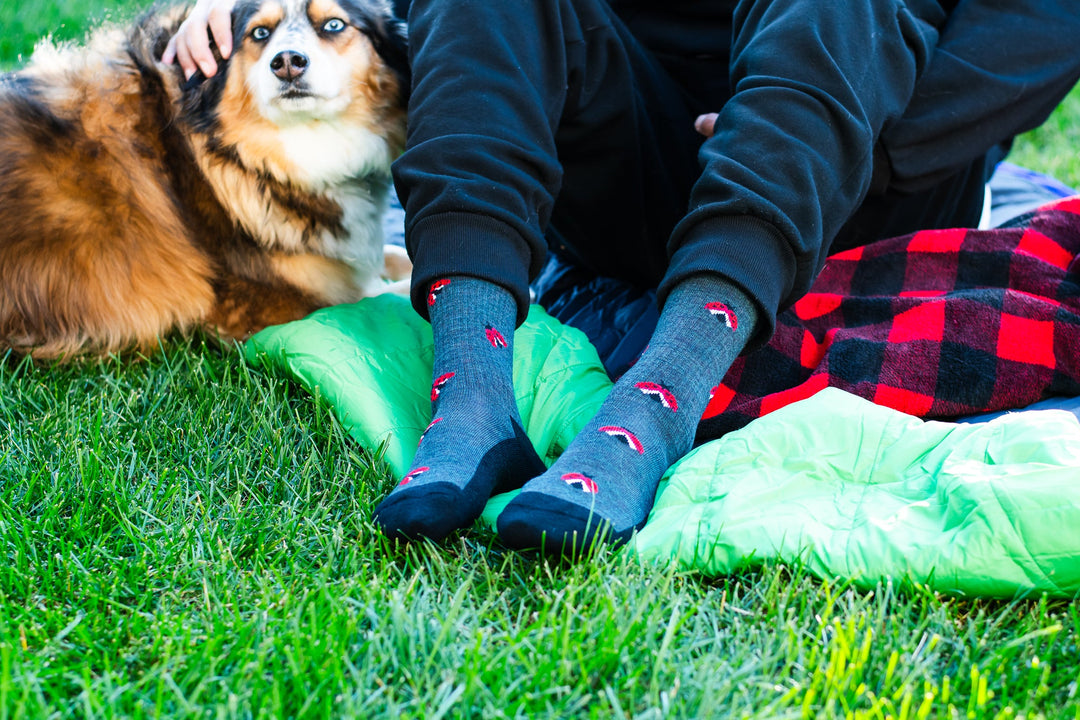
(333, 25)
(260, 33)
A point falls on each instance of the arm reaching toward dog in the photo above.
(191, 44)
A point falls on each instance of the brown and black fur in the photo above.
(134, 204)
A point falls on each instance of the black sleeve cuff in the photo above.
(474, 245)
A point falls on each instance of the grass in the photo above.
(188, 537)
(1054, 148)
(22, 24)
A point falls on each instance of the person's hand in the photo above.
(190, 46)
(705, 124)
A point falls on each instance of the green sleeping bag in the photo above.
(846, 488)
(856, 490)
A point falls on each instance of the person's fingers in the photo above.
(705, 124)
(220, 20)
(183, 54)
(169, 56)
(191, 45)
(197, 39)
(183, 47)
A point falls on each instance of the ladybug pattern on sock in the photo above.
(494, 337)
(437, 386)
(412, 475)
(624, 436)
(724, 314)
(659, 393)
(431, 424)
(436, 287)
(581, 482)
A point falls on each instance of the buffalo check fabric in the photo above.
(937, 324)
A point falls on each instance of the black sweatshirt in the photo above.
(818, 102)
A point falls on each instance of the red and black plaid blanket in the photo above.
(937, 324)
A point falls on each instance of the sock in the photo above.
(475, 444)
(603, 486)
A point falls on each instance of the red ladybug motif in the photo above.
(659, 393)
(624, 435)
(431, 424)
(494, 337)
(436, 287)
(412, 475)
(581, 482)
(437, 386)
(724, 314)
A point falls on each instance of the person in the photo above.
(716, 150)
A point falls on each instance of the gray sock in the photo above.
(475, 444)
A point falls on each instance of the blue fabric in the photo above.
(617, 317)
(1068, 404)
(1015, 190)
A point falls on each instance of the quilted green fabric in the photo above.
(847, 488)
(856, 490)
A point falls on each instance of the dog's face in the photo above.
(314, 91)
(303, 60)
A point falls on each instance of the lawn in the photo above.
(189, 537)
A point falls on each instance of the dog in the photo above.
(135, 203)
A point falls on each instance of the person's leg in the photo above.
(602, 488)
(503, 95)
(475, 444)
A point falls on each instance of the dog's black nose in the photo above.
(289, 65)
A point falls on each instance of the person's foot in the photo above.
(475, 445)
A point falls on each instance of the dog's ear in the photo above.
(201, 96)
(400, 8)
(388, 36)
(146, 44)
(394, 50)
